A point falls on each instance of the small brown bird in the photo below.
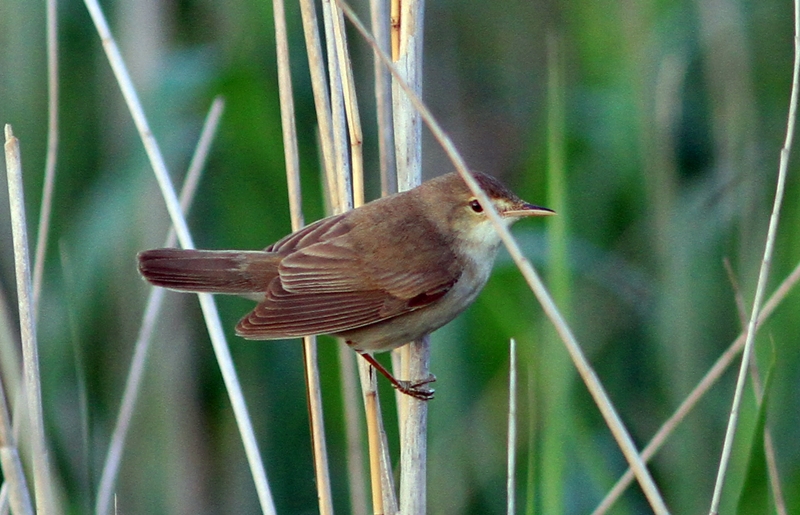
(379, 276)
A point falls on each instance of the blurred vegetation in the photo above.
(671, 121)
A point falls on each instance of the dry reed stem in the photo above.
(394, 13)
(705, 384)
(288, 126)
(375, 434)
(341, 171)
(379, 17)
(4, 506)
(356, 474)
(42, 480)
(291, 156)
(321, 97)
(414, 356)
(413, 433)
(317, 422)
(350, 101)
(355, 137)
(130, 395)
(763, 273)
(340, 191)
(512, 428)
(593, 384)
(332, 126)
(15, 484)
(10, 361)
(384, 500)
(207, 304)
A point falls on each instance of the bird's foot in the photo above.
(418, 389)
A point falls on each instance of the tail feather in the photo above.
(209, 271)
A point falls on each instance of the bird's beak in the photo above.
(526, 209)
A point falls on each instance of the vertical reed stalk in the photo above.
(763, 274)
(512, 430)
(43, 485)
(407, 38)
(18, 493)
(310, 364)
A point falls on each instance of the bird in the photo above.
(378, 276)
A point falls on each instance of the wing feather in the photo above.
(332, 279)
(284, 314)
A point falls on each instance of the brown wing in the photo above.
(333, 280)
(320, 231)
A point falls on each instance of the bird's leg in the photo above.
(418, 390)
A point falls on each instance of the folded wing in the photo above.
(330, 282)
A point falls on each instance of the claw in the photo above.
(417, 390)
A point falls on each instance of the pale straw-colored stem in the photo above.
(394, 13)
(354, 133)
(19, 497)
(314, 397)
(384, 500)
(357, 476)
(30, 354)
(413, 433)
(341, 156)
(379, 16)
(415, 356)
(588, 375)
(291, 155)
(382, 481)
(316, 67)
(512, 429)
(341, 193)
(288, 126)
(763, 274)
(130, 395)
(207, 304)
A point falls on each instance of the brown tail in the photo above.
(210, 271)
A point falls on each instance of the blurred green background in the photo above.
(661, 124)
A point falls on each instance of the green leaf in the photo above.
(754, 496)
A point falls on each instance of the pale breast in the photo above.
(394, 332)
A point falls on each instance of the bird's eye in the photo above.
(476, 206)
